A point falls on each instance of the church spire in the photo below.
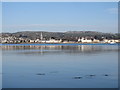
(41, 36)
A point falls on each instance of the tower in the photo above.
(41, 36)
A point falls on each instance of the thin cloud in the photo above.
(113, 10)
(57, 28)
(46, 25)
(50, 27)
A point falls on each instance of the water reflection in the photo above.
(60, 66)
(55, 49)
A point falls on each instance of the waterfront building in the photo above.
(85, 40)
(32, 41)
(53, 41)
(96, 41)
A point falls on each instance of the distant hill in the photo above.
(71, 35)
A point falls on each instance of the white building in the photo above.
(37, 40)
(111, 41)
(105, 40)
(117, 41)
(96, 41)
(32, 41)
(53, 41)
(4, 41)
(85, 40)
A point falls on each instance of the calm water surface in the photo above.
(60, 66)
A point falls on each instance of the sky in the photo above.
(0, 17)
(60, 16)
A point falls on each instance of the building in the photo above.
(85, 40)
(53, 41)
(96, 41)
(32, 41)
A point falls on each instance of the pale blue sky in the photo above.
(0, 17)
(60, 16)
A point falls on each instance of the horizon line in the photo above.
(59, 31)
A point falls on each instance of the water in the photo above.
(60, 66)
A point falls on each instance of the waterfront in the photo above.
(60, 66)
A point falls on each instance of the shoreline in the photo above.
(27, 44)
